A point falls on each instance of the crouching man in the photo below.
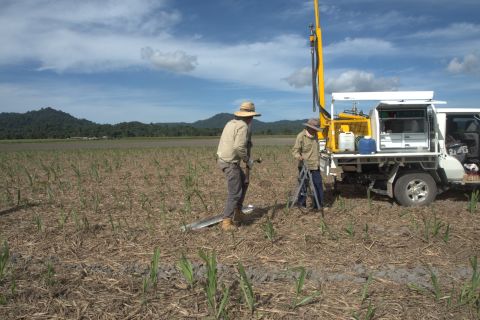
(233, 148)
(306, 151)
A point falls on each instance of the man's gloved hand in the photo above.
(250, 163)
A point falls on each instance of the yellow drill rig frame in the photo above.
(331, 126)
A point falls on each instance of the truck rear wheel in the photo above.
(415, 189)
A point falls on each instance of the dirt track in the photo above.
(87, 222)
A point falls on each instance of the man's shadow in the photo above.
(273, 210)
(258, 213)
(17, 208)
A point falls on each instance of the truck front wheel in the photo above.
(415, 189)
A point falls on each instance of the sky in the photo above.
(112, 61)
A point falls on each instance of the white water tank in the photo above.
(346, 141)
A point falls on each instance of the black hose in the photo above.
(314, 83)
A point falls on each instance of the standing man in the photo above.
(234, 147)
(306, 151)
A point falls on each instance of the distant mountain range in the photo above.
(51, 123)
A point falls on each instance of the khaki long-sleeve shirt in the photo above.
(233, 143)
(307, 147)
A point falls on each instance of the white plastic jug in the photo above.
(346, 141)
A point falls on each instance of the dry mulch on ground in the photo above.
(82, 227)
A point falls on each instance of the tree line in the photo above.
(49, 123)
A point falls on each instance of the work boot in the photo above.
(227, 225)
(238, 216)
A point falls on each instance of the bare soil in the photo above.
(82, 227)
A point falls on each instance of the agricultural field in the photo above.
(95, 233)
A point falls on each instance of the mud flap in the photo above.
(390, 181)
(212, 220)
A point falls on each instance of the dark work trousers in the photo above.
(235, 185)
(317, 183)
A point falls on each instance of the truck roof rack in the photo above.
(411, 102)
(387, 96)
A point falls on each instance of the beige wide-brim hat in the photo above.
(247, 109)
(313, 124)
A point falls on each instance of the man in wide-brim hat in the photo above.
(233, 148)
(306, 151)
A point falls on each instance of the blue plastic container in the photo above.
(367, 145)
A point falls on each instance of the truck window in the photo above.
(465, 129)
(403, 126)
(462, 123)
(403, 121)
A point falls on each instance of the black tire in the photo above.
(415, 189)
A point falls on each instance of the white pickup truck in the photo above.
(421, 148)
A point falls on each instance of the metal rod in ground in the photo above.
(210, 221)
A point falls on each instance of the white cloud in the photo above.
(177, 61)
(350, 80)
(128, 16)
(372, 22)
(103, 104)
(356, 80)
(470, 64)
(392, 19)
(306, 8)
(432, 2)
(300, 9)
(96, 36)
(328, 9)
(458, 39)
(360, 47)
(81, 36)
(455, 31)
(300, 78)
(262, 64)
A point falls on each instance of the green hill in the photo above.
(44, 123)
(50, 123)
(217, 121)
